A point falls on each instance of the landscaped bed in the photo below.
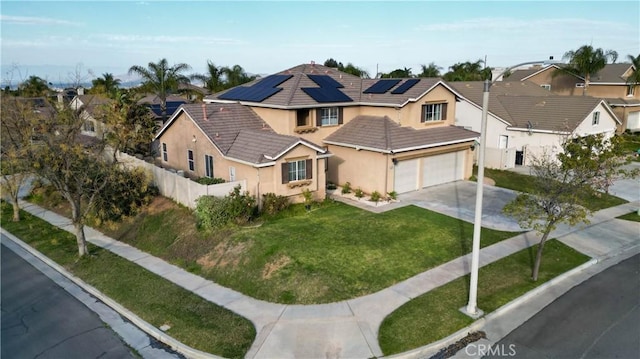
(435, 315)
(193, 320)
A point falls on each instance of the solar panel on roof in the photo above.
(405, 86)
(259, 92)
(381, 86)
(327, 94)
(325, 81)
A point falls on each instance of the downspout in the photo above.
(258, 198)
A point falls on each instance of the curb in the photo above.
(137, 321)
(432, 348)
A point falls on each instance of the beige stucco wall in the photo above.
(566, 85)
(179, 138)
(374, 171)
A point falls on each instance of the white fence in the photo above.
(177, 187)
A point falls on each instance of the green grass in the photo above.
(193, 320)
(524, 183)
(435, 315)
(332, 253)
(633, 216)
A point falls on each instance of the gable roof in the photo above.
(520, 103)
(610, 74)
(238, 132)
(300, 88)
(90, 103)
(381, 134)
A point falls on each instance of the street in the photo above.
(596, 319)
(40, 319)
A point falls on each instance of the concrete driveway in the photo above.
(628, 189)
(458, 199)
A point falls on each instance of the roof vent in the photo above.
(217, 135)
(221, 108)
(313, 63)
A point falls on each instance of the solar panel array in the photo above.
(405, 86)
(328, 91)
(381, 86)
(172, 106)
(259, 92)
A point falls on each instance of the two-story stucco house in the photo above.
(526, 120)
(90, 111)
(610, 84)
(377, 134)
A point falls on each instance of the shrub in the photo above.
(213, 212)
(209, 180)
(331, 186)
(359, 193)
(272, 203)
(123, 195)
(393, 195)
(375, 197)
(307, 195)
(346, 188)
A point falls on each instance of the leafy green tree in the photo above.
(350, 68)
(586, 62)
(161, 79)
(34, 86)
(586, 167)
(106, 84)
(212, 79)
(430, 71)
(398, 73)
(330, 62)
(468, 71)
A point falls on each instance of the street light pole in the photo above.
(472, 306)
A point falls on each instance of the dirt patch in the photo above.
(273, 266)
(224, 254)
(160, 204)
(489, 181)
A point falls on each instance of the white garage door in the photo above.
(438, 169)
(633, 122)
(406, 176)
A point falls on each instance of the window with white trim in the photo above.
(89, 126)
(630, 90)
(192, 164)
(580, 84)
(546, 87)
(165, 155)
(329, 116)
(297, 170)
(596, 118)
(208, 166)
(434, 112)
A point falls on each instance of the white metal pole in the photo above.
(472, 307)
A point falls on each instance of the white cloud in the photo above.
(167, 39)
(28, 20)
(510, 24)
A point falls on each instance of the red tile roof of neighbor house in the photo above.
(238, 132)
(381, 134)
(293, 95)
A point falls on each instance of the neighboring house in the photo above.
(91, 112)
(230, 141)
(610, 84)
(525, 120)
(383, 134)
(153, 102)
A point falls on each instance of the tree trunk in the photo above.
(536, 265)
(80, 238)
(16, 210)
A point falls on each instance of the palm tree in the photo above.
(430, 71)
(398, 73)
(354, 70)
(235, 76)
(586, 62)
(161, 79)
(108, 83)
(468, 71)
(634, 78)
(212, 80)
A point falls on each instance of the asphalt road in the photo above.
(599, 318)
(42, 320)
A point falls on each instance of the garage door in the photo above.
(438, 169)
(406, 176)
(633, 122)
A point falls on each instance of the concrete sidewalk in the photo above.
(349, 329)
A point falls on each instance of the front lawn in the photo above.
(435, 315)
(193, 320)
(633, 216)
(332, 253)
(524, 183)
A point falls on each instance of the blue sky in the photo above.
(52, 39)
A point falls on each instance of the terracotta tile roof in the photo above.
(292, 94)
(376, 133)
(238, 132)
